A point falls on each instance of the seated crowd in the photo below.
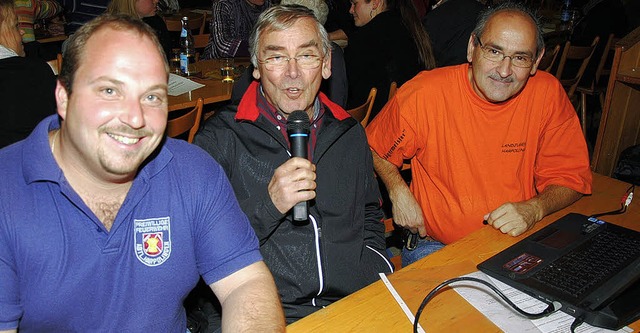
(130, 214)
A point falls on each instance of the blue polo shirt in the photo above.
(61, 271)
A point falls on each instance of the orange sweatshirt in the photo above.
(469, 156)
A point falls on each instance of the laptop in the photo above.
(590, 266)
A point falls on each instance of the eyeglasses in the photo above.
(279, 62)
(518, 60)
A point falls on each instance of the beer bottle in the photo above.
(187, 51)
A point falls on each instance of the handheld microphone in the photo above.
(298, 130)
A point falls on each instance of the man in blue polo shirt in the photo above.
(106, 225)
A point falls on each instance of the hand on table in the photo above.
(514, 218)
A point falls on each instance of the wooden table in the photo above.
(214, 89)
(373, 309)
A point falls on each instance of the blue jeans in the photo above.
(424, 248)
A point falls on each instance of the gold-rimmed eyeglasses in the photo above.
(492, 54)
(279, 62)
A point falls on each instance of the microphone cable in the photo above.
(551, 308)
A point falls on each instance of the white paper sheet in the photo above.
(507, 319)
(179, 85)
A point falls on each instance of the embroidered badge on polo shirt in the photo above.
(152, 240)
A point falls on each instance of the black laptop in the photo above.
(590, 266)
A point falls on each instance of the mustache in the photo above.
(508, 79)
(127, 131)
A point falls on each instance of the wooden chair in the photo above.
(579, 53)
(549, 59)
(597, 87)
(188, 122)
(389, 228)
(195, 22)
(392, 89)
(200, 41)
(572, 52)
(56, 64)
(361, 113)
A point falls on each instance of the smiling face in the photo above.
(512, 33)
(292, 88)
(117, 114)
(10, 34)
(361, 11)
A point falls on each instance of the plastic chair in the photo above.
(361, 113)
(188, 122)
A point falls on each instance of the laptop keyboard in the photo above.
(588, 265)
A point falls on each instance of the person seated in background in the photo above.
(340, 246)
(339, 21)
(335, 87)
(449, 25)
(27, 85)
(145, 10)
(79, 12)
(231, 24)
(390, 45)
(128, 218)
(29, 11)
(493, 140)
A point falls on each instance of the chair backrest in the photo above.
(549, 59)
(200, 41)
(392, 89)
(396, 259)
(608, 50)
(361, 113)
(189, 121)
(572, 52)
(195, 22)
(56, 64)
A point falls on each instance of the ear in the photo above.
(256, 73)
(470, 48)
(62, 99)
(326, 66)
(537, 62)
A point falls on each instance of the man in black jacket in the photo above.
(341, 248)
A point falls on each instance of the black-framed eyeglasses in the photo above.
(304, 61)
(492, 54)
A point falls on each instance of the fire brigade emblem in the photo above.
(152, 240)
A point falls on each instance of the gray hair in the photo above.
(319, 7)
(510, 7)
(279, 18)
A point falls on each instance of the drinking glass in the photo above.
(226, 69)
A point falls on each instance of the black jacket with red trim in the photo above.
(342, 247)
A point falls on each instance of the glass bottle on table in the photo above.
(565, 14)
(187, 51)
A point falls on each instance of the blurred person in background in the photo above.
(27, 85)
(147, 11)
(231, 24)
(449, 25)
(389, 45)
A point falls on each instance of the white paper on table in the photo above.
(501, 314)
(179, 85)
